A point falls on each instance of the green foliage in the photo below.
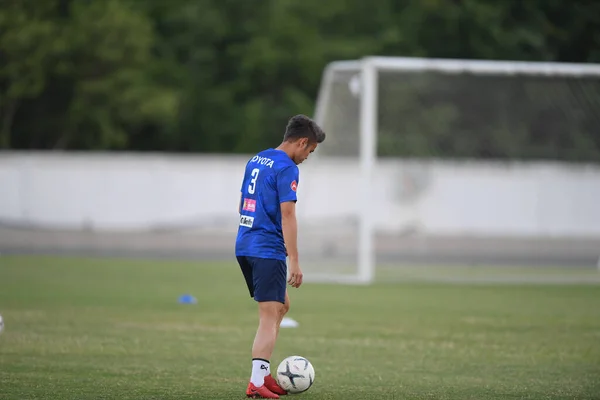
(30, 42)
(225, 75)
(113, 92)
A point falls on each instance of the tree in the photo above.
(31, 44)
(114, 94)
(225, 75)
(83, 71)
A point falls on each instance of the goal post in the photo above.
(367, 155)
(363, 107)
(361, 81)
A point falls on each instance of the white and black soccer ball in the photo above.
(295, 374)
(1, 324)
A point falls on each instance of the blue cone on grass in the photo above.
(187, 299)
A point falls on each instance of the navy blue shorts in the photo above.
(266, 278)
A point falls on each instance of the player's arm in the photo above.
(287, 183)
(240, 203)
(290, 237)
(289, 226)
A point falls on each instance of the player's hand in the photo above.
(295, 279)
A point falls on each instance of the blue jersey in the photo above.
(271, 178)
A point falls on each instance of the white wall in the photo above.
(125, 191)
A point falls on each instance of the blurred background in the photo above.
(126, 125)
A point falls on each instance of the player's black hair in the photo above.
(300, 126)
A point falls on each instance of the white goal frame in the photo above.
(368, 68)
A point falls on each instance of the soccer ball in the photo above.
(1, 324)
(295, 374)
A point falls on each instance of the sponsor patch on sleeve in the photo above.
(294, 185)
(249, 205)
(246, 221)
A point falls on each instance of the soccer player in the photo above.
(267, 234)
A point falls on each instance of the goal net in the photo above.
(369, 211)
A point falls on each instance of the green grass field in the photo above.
(113, 329)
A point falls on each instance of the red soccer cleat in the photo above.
(273, 386)
(259, 392)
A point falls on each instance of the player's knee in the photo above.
(269, 310)
(286, 307)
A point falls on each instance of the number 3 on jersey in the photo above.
(252, 185)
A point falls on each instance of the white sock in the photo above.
(260, 369)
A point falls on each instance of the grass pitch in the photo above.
(113, 329)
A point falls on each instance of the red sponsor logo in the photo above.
(249, 205)
(294, 185)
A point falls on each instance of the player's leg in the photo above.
(266, 336)
(270, 382)
(269, 280)
(284, 311)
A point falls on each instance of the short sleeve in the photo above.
(287, 184)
